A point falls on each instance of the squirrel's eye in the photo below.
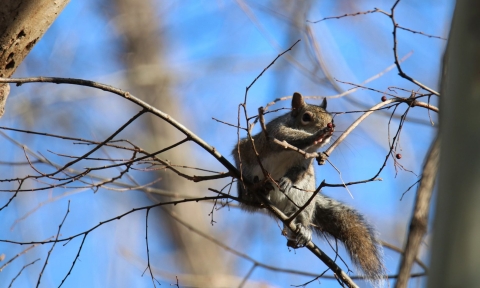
(307, 117)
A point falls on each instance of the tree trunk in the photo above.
(150, 79)
(456, 241)
(22, 24)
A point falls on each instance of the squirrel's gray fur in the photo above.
(306, 128)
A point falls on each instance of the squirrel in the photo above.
(307, 127)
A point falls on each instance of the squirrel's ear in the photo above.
(324, 104)
(297, 103)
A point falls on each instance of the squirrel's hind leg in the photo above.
(303, 231)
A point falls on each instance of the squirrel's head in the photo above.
(310, 118)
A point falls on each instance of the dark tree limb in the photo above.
(419, 222)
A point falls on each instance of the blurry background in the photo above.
(193, 61)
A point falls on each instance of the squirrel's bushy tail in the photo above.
(345, 224)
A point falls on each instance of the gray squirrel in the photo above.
(307, 127)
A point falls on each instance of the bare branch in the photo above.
(21, 270)
(57, 80)
(20, 254)
(266, 68)
(343, 277)
(419, 222)
(396, 26)
(345, 15)
(74, 260)
(148, 252)
(53, 246)
(314, 194)
(118, 218)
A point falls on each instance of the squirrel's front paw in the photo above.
(323, 135)
(285, 184)
(267, 187)
(263, 186)
(304, 235)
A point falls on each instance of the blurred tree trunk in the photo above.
(22, 24)
(456, 240)
(150, 79)
(297, 12)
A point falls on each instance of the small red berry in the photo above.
(399, 156)
(384, 98)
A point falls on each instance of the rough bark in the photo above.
(22, 24)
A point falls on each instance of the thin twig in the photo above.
(13, 197)
(20, 254)
(249, 273)
(399, 250)
(21, 270)
(266, 68)
(266, 174)
(345, 15)
(355, 124)
(300, 210)
(148, 252)
(408, 189)
(420, 32)
(396, 26)
(342, 276)
(118, 217)
(54, 243)
(74, 260)
(395, 53)
(126, 95)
